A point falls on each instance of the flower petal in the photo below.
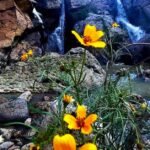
(95, 37)
(72, 121)
(65, 142)
(78, 37)
(89, 30)
(81, 111)
(90, 119)
(98, 44)
(86, 129)
(88, 146)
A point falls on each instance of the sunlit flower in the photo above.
(24, 57)
(88, 146)
(115, 25)
(68, 98)
(144, 105)
(34, 147)
(81, 121)
(91, 37)
(30, 53)
(65, 142)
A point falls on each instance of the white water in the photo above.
(37, 15)
(58, 35)
(135, 33)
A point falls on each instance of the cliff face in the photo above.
(138, 12)
(12, 22)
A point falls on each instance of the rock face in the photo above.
(95, 75)
(28, 76)
(138, 12)
(12, 22)
(13, 110)
(49, 4)
(74, 4)
(137, 53)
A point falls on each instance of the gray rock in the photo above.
(7, 132)
(26, 96)
(78, 3)
(95, 75)
(6, 145)
(28, 76)
(13, 110)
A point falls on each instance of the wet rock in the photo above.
(14, 110)
(6, 145)
(7, 133)
(14, 147)
(26, 96)
(74, 4)
(26, 146)
(138, 12)
(137, 53)
(3, 99)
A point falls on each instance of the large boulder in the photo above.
(12, 22)
(30, 75)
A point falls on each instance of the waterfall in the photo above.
(57, 37)
(135, 33)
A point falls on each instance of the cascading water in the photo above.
(57, 37)
(135, 33)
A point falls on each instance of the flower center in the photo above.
(87, 39)
(80, 122)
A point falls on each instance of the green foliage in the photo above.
(117, 120)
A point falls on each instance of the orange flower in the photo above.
(30, 53)
(34, 147)
(88, 146)
(115, 25)
(91, 37)
(67, 142)
(68, 98)
(24, 57)
(81, 121)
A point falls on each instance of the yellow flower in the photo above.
(81, 121)
(30, 53)
(115, 25)
(91, 37)
(144, 105)
(34, 147)
(88, 146)
(24, 57)
(67, 142)
(68, 98)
